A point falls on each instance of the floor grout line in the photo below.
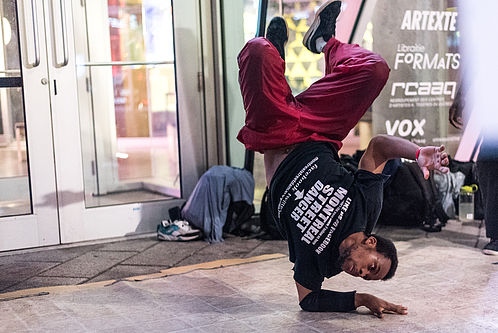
(181, 270)
(43, 271)
(108, 269)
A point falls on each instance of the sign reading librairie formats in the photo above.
(419, 40)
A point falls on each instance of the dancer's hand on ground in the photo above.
(379, 306)
(433, 158)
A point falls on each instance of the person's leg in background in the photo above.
(487, 171)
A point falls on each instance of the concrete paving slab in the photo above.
(13, 273)
(10, 324)
(177, 325)
(154, 255)
(125, 271)
(232, 247)
(400, 233)
(228, 326)
(442, 295)
(137, 245)
(271, 246)
(166, 254)
(55, 255)
(44, 281)
(455, 237)
(89, 264)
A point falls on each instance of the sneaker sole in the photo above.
(182, 238)
(189, 233)
(314, 26)
(490, 252)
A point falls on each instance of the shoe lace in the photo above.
(182, 224)
(166, 223)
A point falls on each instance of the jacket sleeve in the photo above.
(328, 301)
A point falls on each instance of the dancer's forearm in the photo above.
(383, 148)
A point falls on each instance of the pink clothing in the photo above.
(326, 111)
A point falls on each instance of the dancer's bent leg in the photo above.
(271, 114)
(332, 106)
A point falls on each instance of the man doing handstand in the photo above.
(325, 212)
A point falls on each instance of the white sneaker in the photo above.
(491, 249)
(178, 230)
(323, 25)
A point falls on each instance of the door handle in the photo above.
(34, 34)
(62, 16)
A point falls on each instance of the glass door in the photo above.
(14, 176)
(28, 202)
(91, 112)
(127, 101)
(116, 127)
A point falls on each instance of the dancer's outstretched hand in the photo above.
(379, 306)
(433, 158)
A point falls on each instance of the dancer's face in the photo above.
(363, 260)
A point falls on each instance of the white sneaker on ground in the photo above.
(178, 230)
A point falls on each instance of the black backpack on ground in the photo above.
(239, 221)
(411, 200)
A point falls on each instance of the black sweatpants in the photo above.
(487, 171)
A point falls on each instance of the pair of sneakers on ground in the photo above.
(317, 36)
(177, 230)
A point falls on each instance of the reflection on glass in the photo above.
(9, 54)
(259, 179)
(135, 30)
(128, 99)
(15, 198)
(302, 66)
(146, 131)
(14, 181)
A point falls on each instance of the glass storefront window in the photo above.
(302, 66)
(15, 196)
(127, 96)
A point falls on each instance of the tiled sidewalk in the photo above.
(121, 259)
(447, 287)
(116, 260)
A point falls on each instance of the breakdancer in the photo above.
(325, 212)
